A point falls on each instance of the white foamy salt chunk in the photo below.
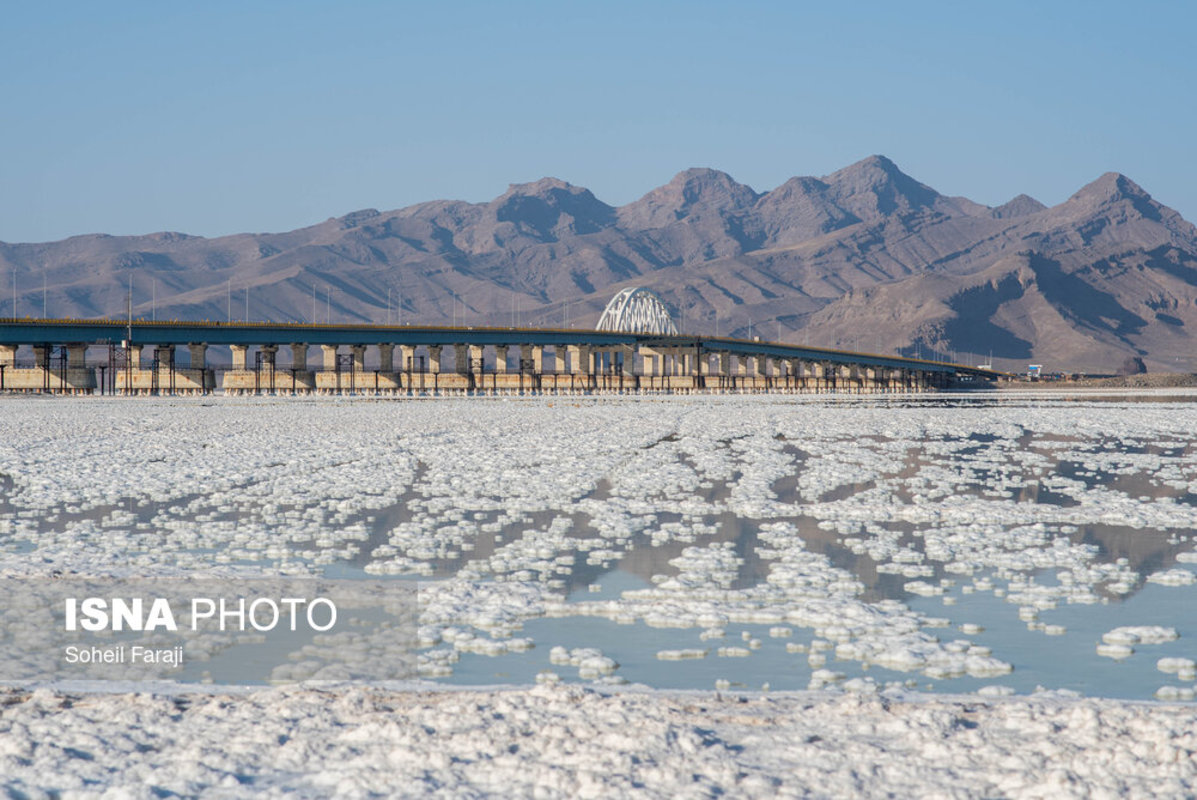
(1140, 634)
(1173, 577)
(1175, 693)
(681, 655)
(1176, 664)
(823, 677)
(1115, 651)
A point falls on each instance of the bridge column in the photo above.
(77, 378)
(197, 353)
(164, 355)
(386, 358)
(407, 358)
(741, 371)
(725, 368)
(328, 354)
(299, 357)
(358, 359)
(434, 358)
(268, 374)
(501, 358)
(760, 372)
(648, 364)
(477, 358)
(8, 354)
(627, 359)
(76, 356)
(461, 356)
(239, 351)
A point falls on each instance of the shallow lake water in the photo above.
(996, 543)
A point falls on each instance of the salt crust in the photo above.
(556, 741)
(291, 487)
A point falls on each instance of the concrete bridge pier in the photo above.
(407, 368)
(301, 378)
(8, 360)
(79, 379)
(544, 382)
(501, 351)
(435, 351)
(327, 380)
(239, 352)
(759, 373)
(266, 368)
(740, 372)
(476, 367)
(648, 368)
(582, 377)
(704, 369)
(627, 368)
(202, 379)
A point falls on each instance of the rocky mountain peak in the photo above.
(874, 187)
(695, 191)
(1110, 187)
(1020, 206)
(551, 206)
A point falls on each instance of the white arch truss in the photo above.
(637, 310)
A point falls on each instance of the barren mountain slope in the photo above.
(866, 256)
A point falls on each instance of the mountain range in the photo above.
(865, 258)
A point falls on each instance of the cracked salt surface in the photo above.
(922, 543)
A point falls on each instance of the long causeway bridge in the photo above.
(142, 357)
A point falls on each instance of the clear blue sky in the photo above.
(215, 118)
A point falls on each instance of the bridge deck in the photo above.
(56, 332)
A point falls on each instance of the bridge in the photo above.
(143, 357)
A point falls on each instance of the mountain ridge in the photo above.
(1106, 275)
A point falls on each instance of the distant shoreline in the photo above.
(1148, 380)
